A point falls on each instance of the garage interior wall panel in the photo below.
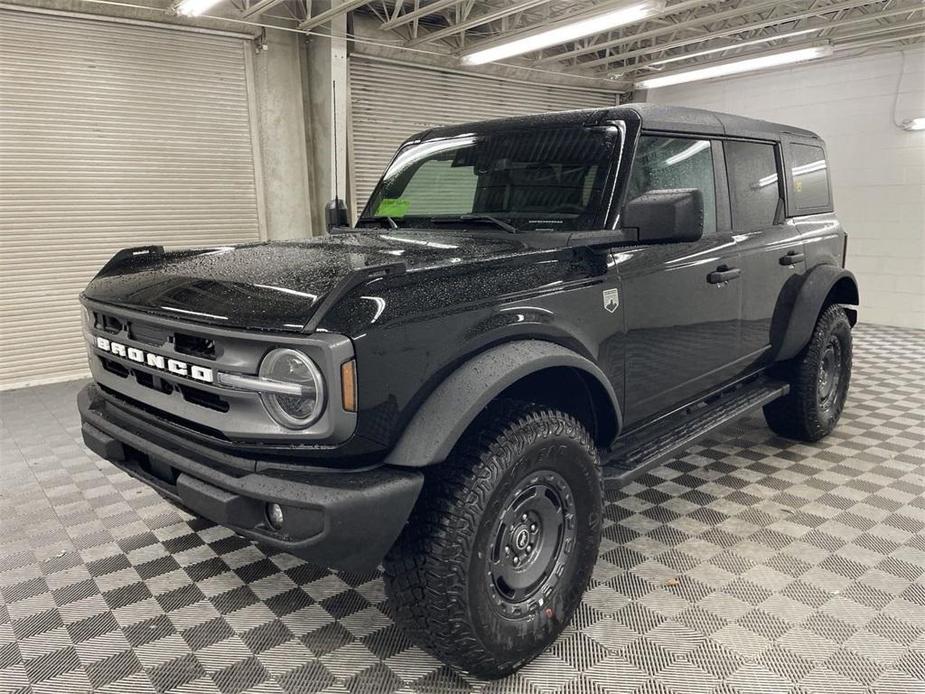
(389, 102)
(111, 135)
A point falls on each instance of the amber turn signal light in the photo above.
(348, 385)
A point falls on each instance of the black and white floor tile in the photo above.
(748, 564)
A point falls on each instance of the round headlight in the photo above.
(299, 400)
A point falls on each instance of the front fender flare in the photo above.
(456, 402)
(809, 302)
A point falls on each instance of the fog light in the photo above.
(275, 515)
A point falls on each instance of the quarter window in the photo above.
(674, 162)
(810, 177)
(754, 185)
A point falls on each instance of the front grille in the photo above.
(203, 398)
(157, 336)
(194, 346)
(107, 323)
(153, 335)
(170, 369)
(192, 395)
(153, 382)
(162, 414)
(114, 367)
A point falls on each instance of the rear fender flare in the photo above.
(443, 417)
(810, 300)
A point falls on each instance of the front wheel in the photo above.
(819, 378)
(494, 560)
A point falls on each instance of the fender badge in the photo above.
(611, 299)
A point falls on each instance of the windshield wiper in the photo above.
(381, 218)
(480, 218)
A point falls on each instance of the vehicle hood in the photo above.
(276, 285)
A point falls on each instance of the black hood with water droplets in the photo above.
(277, 285)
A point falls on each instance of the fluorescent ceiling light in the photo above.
(735, 67)
(914, 124)
(194, 8)
(737, 44)
(565, 32)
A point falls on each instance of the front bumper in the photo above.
(338, 519)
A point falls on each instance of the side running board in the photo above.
(641, 451)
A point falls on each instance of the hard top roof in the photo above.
(653, 116)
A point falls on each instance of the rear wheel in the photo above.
(819, 378)
(496, 556)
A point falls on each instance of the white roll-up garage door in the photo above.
(390, 101)
(111, 135)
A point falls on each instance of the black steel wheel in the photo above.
(819, 377)
(494, 560)
(828, 384)
(532, 541)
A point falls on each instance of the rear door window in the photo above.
(675, 162)
(809, 177)
(754, 184)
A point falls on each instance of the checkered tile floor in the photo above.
(749, 564)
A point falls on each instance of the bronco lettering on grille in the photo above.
(156, 361)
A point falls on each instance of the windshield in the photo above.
(542, 179)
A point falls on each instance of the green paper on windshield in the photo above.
(392, 207)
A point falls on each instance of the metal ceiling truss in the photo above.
(686, 33)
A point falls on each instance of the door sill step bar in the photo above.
(641, 451)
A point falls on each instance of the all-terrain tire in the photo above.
(819, 377)
(447, 575)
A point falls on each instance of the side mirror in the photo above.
(665, 215)
(335, 214)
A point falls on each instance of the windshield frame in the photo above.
(601, 209)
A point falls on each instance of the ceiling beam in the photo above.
(835, 40)
(586, 13)
(775, 37)
(743, 9)
(917, 27)
(680, 43)
(336, 10)
(915, 35)
(259, 7)
(920, 25)
(478, 21)
(423, 11)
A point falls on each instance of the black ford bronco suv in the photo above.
(526, 308)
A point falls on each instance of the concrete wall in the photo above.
(877, 169)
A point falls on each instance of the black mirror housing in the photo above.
(665, 215)
(335, 214)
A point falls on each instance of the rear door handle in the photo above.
(723, 274)
(792, 258)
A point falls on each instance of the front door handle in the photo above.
(723, 274)
(792, 258)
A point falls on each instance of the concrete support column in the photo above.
(327, 101)
(284, 159)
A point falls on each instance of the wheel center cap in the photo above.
(521, 538)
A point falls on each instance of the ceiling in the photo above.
(685, 33)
